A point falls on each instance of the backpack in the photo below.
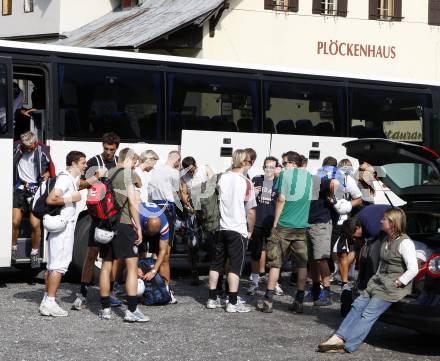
(101, 201)
(156, 292)
(208, 216)
(39, 207)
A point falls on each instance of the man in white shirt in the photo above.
(65, 193)
(164, 190)
(147, 161)
(237, 219)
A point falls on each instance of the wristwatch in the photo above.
(154, 271)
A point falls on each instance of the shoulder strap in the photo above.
(99, 161)
(115, 174)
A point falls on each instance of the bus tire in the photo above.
(82, 230)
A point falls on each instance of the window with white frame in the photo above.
(6, 7)
(386, 9)
(28, 6)
(281, 5)
(329, 7)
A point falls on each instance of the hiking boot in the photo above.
(265, 305)
(114, 301)
(278, 290)
(136, 316)
(211, 304)
(238, 308)
(252, 290)
(324, 299)
(296, 307)
(35, 261)
(52, 309)
(79, 303)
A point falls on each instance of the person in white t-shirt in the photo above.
(147, 161)
(237, 206)
(65, 193)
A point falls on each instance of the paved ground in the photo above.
(185, 331)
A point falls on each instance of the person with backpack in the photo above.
(237, 219)
(32, 165)
(61, 230)
(125, 236)
(97, 167)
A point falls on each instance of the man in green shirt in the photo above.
(294, 188)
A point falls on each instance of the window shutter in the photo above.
(372, 9)
(397, 10)
(434, 12)
(293, 6)
(126, 4)
(316, 7)
(7, 7)
(268, 4)
(342, 8)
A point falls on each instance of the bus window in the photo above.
(377, 113)
(307, 109)
(3, 99)
(201, 102)
(98, 99)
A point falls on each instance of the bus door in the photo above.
(6, 145)
(215, 148)
(315, 148)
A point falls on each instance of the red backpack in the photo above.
(101, 201)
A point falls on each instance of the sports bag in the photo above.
(101, 201)
(156, 292)
(39, 207)
(208, 216)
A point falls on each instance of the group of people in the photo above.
(317, 221)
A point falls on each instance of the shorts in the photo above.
(319, 240)
(258, 242)
(336, 233)
(122, 246)
(60, 249)
(343, 245)
(229, 245)
(22, 200)
(286, 241)
(170, 212)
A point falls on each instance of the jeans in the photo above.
(357, 324)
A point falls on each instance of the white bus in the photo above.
(204, 108)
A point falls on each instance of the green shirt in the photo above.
(296, 186)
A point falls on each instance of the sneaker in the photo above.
(114, 301)
(252, 290)
(265, 305)
(173, 299)
(79, 303)
(35, 261)
(105, 314)
(136, 316)
(217, 303)
(119, 290)
(238, 308)
(324, 299)
(296, 307)
(239, 300)
(278, 290)
(52, 309)
(264, 279)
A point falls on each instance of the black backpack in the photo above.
(39, 208)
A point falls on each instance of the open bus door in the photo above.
(6, 147)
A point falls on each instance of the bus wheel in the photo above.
(82, 230)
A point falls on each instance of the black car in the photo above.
(413, 173)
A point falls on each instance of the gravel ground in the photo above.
(185, 331)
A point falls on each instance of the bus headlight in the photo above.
(433, 268)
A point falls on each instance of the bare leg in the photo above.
(104, 278)
(89, 262)
(263, 262)
(302, 278)
(274, 275)
(343, 266)
(17, 217)
(165, 266)
(233, 281)
(131, 280)
(36, 231)
(213, 279)
(53, 283)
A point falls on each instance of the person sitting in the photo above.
(392, 282)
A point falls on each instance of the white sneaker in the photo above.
(238, 308)
(105, 314)
(79, 303)
(239, 300)
(211, 304)
(173, 299)
(278, 290)
(52, 309)
(136, 316)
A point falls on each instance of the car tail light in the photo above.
(433, 265)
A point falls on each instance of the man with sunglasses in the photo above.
(294, 188)
(31, 167)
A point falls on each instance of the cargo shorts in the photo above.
(283, 242)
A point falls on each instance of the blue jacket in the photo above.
(42, 160)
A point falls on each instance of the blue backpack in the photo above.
(156, 292)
